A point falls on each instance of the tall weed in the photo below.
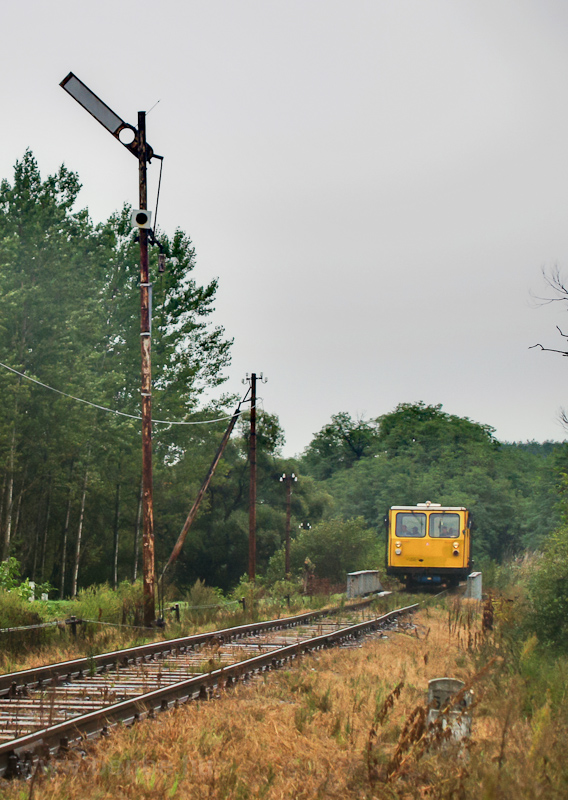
(16, 612)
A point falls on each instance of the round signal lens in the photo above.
(398, 551)
(456, 545)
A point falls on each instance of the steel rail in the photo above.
(44, 696)
(35, 677)
(17, 757)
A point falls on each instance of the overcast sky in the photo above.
(377, 184)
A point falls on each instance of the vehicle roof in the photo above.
(432, 507)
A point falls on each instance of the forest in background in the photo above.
(70, 473)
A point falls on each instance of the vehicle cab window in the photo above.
(444, 526)
(411, 525)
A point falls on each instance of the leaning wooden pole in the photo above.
(204, 486)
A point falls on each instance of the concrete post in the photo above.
(441, 692)
(473, 588)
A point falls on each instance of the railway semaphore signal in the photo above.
(134, 139)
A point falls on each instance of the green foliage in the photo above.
(103, 604)
(269, 434)
(217, 545)
(544, 677)
(251, 591)
(203, 603)
(427, 434)
(10, 581)
(201, 595)
(9, 574)
(548, 592)
(282, 590)
(339, 445)
(16, 612)
(335, 547)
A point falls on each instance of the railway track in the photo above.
(46, 710)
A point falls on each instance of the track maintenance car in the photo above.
(429, 544)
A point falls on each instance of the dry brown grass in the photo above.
(347, 723)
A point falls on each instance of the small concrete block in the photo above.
(474, 587)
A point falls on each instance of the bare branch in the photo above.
(553, 279)
(549, 349)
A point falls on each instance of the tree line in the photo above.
(418, 452)
(70, 473)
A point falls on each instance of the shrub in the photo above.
(16, 612)
(103, 604)
(203, 602)
(335, 547)
(548, 593)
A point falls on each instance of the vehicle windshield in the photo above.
(411, 524)
(444, 526)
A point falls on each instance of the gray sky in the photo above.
(376, 184)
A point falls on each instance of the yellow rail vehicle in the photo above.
(429, 543)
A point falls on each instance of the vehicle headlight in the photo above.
(398, 551)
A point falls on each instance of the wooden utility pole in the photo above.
(116, 530)
(288, 480)
(252, 489)
(251, 380)
(77, 558)
(146, 391)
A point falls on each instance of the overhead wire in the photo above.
(158, 192)
(112, 410)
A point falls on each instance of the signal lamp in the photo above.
(141, 218)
